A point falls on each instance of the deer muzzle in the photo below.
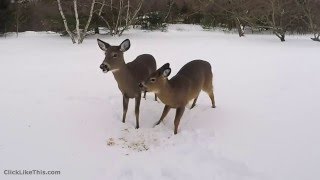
(104, 68)
(142, 86)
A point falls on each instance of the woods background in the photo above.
(80, 18)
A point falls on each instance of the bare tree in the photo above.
(230, 13)
(235, 11)
(311, 17)
(19, 16)
(65, 22)
(79, 34)
(4, 9)
(130, 18)
(79, 17)
(170, 4)
(276, 15)
(119, 15)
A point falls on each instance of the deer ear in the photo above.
(165, 66)
(125, 45)
(103, 45)
(166, 72)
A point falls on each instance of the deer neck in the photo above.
(125, 80)
(165, 92)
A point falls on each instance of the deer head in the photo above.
(157, 79)
(113, 60)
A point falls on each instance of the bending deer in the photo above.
(127, 75)
(180, 89)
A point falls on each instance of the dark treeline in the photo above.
(79, 18)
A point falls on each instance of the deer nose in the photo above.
(104, 67)
(140, 85)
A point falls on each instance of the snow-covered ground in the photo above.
(58, 111)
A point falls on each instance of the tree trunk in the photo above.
(101, 17)
(132, 19)
(118, 22)
(17, 18)
(5, 30)
(65, 22)
(239, 27)
(168, 13)
(84, 32)
(75, 6)
(316, 37)
(96, 30)
(282, 38)
(281, 35)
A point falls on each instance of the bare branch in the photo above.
(65, 22)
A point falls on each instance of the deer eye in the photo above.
(153, 80)
(115, 55)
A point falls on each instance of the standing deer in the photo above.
(180, 89)
(127, 75)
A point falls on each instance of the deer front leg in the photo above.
(194, 102)
(144, 95)
(125, 102)
(164, 114)
(137, 110)
(179, 114)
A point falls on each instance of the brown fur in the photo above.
(127, 75)
(182, 88)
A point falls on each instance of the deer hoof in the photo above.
(156, 124)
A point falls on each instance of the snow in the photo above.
(58, 111)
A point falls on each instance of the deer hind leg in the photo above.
(211, 95)
(137, 110)
(164, 114)
(177, 118)
(209, 91)
(125, 102)
(194, 102)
